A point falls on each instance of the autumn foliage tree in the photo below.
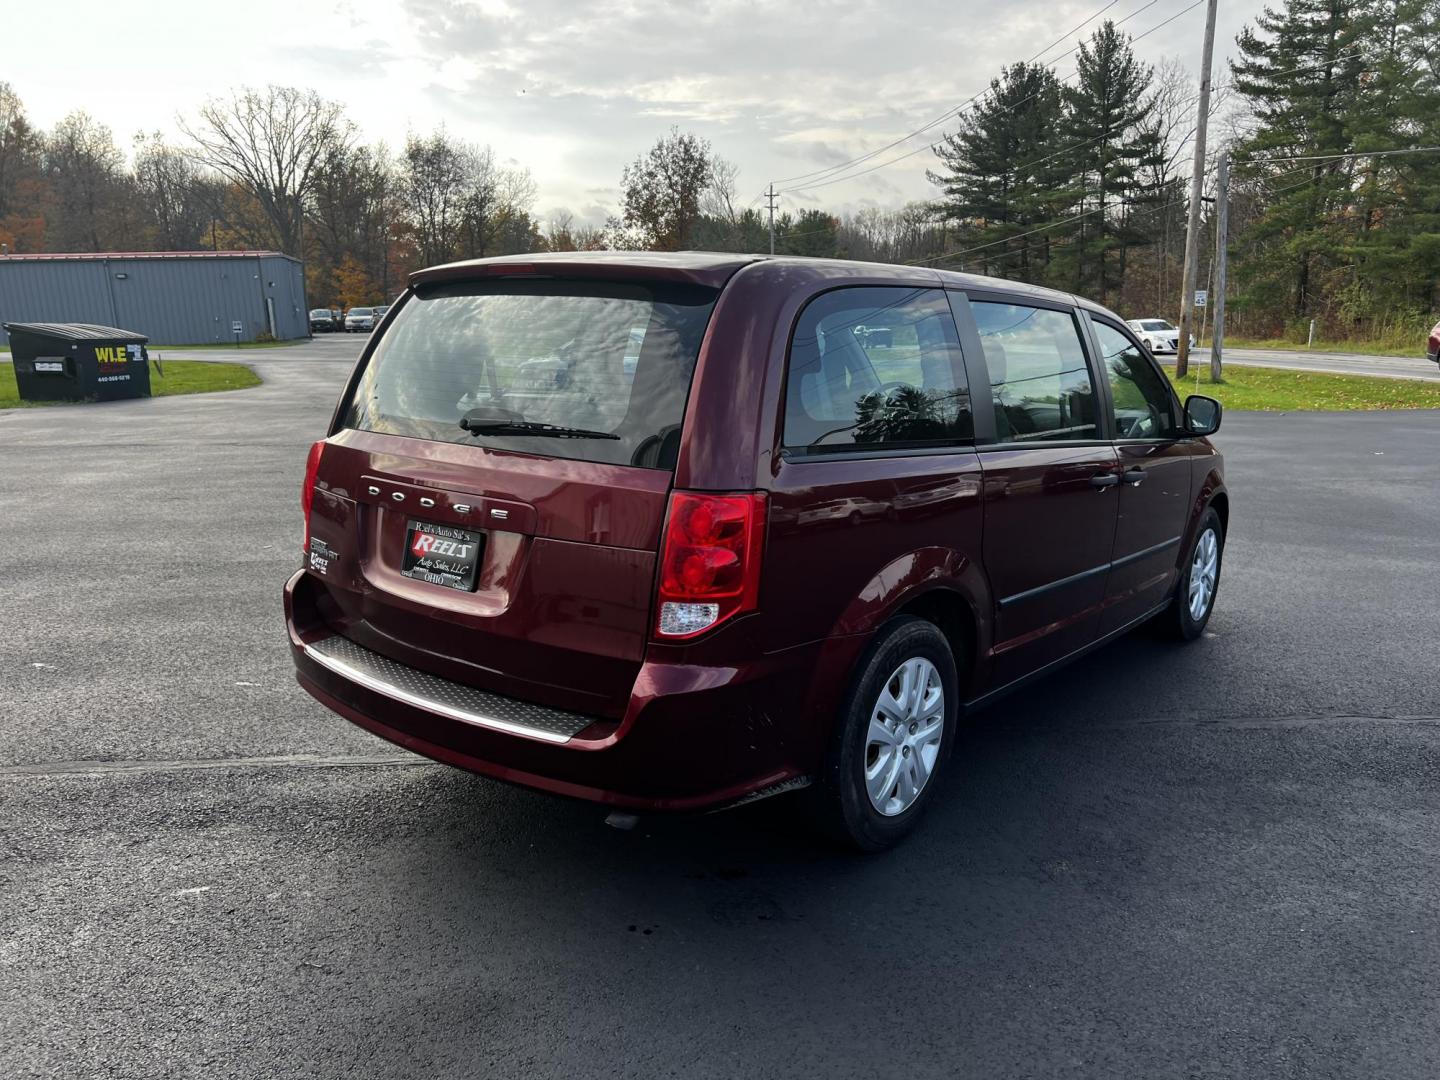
(661, 192)
(353, 285)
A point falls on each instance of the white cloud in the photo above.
(574, 89)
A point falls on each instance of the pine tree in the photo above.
(1109, 141)
(1394, 255)
(1303, 71)
(1000, 171)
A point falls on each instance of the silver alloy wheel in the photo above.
(1204, 567)
(903, 739)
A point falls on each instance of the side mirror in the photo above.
(1202, 415)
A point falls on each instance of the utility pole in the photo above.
(1222, 236)
(1197, 178)
(770, 201)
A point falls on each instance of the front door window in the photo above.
(1144, 406)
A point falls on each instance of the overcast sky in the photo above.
(574, 89)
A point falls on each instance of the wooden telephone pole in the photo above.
(1222, 230)
(770, 201)
(1197, 179)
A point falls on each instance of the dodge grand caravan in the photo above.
(675, 532)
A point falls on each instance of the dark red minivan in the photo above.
(676, 532)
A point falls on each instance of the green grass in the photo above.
(181, 377)
(1361, 348)
(1278, 390)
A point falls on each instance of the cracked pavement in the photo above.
(1209, 861)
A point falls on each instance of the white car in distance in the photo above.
(1157, 335)
(359, 320)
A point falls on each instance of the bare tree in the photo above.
(1172, 116)
(911, 232)
(499, 221)
(560, 231)
(481, 205)
(83, 165)
(718, 200)
(433, 179)
(178, 200)
(18, 146)
(271, 143)
(461, 204)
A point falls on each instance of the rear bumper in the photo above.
(694, 737)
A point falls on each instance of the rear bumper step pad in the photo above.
(455, 700)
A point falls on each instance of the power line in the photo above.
(1016, 236)
(932, 146)
(1337, 157)
(1149, 209)
(948, 113)
(1046, 226)
(1140, 208)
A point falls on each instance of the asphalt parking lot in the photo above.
(1221, 860)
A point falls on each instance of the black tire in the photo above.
(1176, 621)
(839, 799)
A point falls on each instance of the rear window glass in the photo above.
(607, 368)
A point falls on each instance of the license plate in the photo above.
(442, 555)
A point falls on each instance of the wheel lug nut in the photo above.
(905, 751)
(913, 728)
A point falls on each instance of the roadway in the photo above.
(1332, 363)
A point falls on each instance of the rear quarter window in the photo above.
(614, 360)
(876, 368)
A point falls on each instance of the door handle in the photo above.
(1134, 477)
(1104, 480)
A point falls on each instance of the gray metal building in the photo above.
(172, 297)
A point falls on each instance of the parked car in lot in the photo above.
(1432, 347)
(379, 312)
(773, 557)
(1158, 335)
(359, 320)
(321, 321)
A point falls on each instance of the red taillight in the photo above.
(709, 561)
(307, 492)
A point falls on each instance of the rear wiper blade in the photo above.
(531, 427)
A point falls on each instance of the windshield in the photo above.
(359, 311)
(607, 359)
(1155, 324)
(321, 312)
